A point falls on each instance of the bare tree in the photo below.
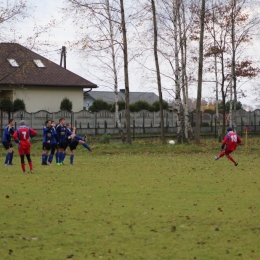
(126, 76)
(104, 43)
(158, 69)
(200, 71)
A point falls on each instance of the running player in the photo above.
(229, 143)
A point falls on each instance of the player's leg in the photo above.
(28, 156)
(61, 153)
(231, 158)
(84, 144)
(222, 153)
(73, 147)
(22, 160)
(53, 148)
(9, 152)
(72, 156)
(44, 153)
(11, 157)
(65, 147)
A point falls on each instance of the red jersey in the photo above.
(231, 140)
(23, 133)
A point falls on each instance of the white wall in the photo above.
(49, 98)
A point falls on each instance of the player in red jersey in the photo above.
(231, 140)
(22, 136)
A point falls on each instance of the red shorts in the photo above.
(23, 151)
(227, 152)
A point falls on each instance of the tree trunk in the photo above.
(216, 79)
(158, 70)
(187, 131)
(127, 92)
(200, 71)
(233, 65)
(178, 105)
(111, 31)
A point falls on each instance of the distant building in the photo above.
(41, 83)
(109, 97)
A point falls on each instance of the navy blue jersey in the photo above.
(46, 134)
(62, 133)
(8, 132)
(54, 137)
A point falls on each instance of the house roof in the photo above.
(109, 96)
(30, 74)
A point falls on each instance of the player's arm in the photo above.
(15, 137)
(224, 143)
(32, 133)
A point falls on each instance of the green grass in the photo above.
(140, 201)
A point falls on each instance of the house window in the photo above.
(39, 63)
(13, 63)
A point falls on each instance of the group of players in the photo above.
(55, 138)
(59, 138)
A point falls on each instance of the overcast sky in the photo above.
(44, 11)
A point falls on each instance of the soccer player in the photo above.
(75, 141)
(6, 141)
(46, 142)
(62, 135)
(231, 140)
(22, 136)
(54, 142)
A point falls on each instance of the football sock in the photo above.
(7, 158)
(50, 158)
(11, 158)
(31, 165)
(221, 154)
(71, 158)
(57, 155)
(60, 157)
(231, 159)
(63, 157)
(23, 166)
(43, 157)
(86, 146)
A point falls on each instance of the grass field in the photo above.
(140, 201)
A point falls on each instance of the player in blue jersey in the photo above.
(46, 141)
(62, 135)
(6, 141)
(75, 141)
(54, 141)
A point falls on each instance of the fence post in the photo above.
(215, 127)
(241, 127)
(95, 116)
(166, 122)
(143, 124)
(133, 129)
(255, 120)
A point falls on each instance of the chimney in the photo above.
(122, 90)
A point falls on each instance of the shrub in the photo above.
(66, 105)
(105, 139)
(19, 105)
(6, 104)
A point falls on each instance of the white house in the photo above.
(41, 83)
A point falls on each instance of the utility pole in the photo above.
(63, 56)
